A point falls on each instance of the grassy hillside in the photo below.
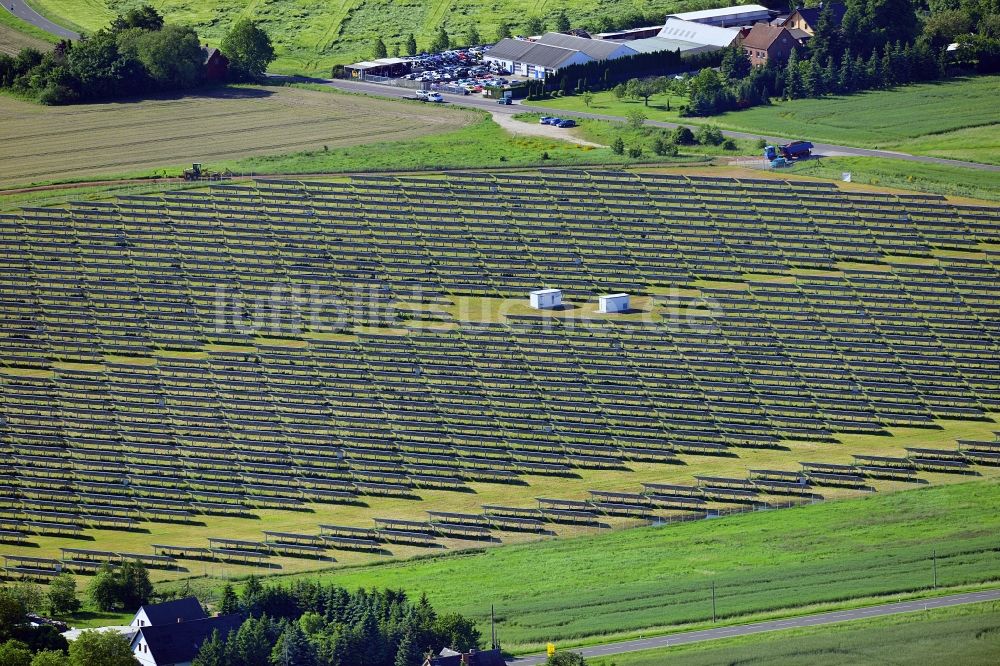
(632, 581)
(313, 35)
(967, 635)
(955, 119)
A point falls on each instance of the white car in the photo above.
(434, 97)
(422, 95)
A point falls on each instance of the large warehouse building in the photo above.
(551, 52)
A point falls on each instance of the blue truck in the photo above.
(790, 151)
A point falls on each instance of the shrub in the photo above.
(635, 152)
(729, 144)
(683, 136)
(618, 146)
(710, 135)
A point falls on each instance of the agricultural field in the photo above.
(953, 119)
(967, 635)
(313, 35)
(16, 35)
(162, 135)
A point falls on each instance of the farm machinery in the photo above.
(196, 172)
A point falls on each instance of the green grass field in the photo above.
(313, 35)
(955, 119)
(964, 635)
(637, 581)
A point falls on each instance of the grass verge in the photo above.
(905, 174)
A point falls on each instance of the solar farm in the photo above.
(288, 375)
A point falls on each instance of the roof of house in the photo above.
(698, 33)
(209, 52)
(800, 35)
(762, 36)
(169, 612)
(179, 642)
(738, 10)
(533, 53)
(598, 49)
(659, 44)
(477, 658)
(811, 14)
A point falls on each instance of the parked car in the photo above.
(422, 95)
(506, 101)
(549, 120)
(565, 123)
(435, 97)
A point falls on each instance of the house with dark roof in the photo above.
(807, 18)
(765, 43)
(169, 612)
(449, 657)
(177, 644)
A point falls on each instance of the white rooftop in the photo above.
(721, 11)
(545, 291)
(699, 33)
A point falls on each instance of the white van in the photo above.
(434, 97)
(422, 95)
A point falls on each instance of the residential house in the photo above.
(765, 43)
(169, 612)
(807, 18)
(178, 644)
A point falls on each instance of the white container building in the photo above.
(613, 303)
(544, 299)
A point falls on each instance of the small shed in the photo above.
(546, 298)
(613, 303)
(216, 65)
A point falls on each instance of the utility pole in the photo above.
(714, 616)
(493, 628)
(934, 565)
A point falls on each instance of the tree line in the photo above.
(312, 624)
(137, 54)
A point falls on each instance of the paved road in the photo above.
(686, 637)
(821, 149)
(21, 10)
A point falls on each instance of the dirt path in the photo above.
(518, 128)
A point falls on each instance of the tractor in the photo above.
(196, 172)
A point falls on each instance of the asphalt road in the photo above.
(684, 638)
(21, 10)
(821, 149)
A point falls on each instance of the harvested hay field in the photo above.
(45, 144)
(12, 41)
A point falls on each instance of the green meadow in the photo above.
(961, 635)
(956, 119)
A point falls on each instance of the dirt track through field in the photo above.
(45, 143)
